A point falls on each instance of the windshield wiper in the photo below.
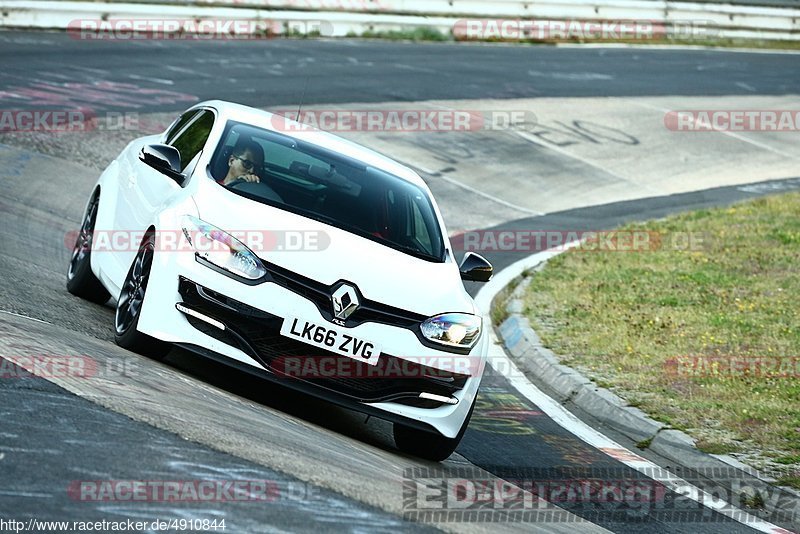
(412, 251)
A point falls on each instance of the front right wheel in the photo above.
(428, 445)
(81, 281)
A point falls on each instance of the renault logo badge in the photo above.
(345, 301)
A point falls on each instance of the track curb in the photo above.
(569, 387)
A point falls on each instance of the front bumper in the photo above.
(425, 397)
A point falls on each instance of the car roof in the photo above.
(264, 119)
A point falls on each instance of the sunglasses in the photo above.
(246, 163)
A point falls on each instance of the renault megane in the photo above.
(295, 254)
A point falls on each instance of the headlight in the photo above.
(453, 329)
(222, 249)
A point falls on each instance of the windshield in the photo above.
(323, 185)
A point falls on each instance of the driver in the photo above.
(245, 162)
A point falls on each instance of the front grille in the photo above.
(320, 295)
(257, 333)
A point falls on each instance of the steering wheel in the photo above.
(256, 188)
(239, 181)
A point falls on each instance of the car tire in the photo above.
(129, 305)
(81, 281)
(428, 445)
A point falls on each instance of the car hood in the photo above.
(381, 273)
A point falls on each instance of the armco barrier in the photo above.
(343, 17)
(63, 15)
(509, 8)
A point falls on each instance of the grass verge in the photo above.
(704, 338)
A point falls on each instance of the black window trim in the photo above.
(170, 135)
(197, 113)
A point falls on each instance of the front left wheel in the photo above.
(129, 305)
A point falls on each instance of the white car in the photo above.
(294, 254)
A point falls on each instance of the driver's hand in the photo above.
(252, 178)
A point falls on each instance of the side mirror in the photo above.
(475, 268)
(165, 159)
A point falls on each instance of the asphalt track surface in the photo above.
(277, 72)
(50, 437)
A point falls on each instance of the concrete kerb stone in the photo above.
(676, 444)
(564, 383)
(567, 385)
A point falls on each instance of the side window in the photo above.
(191, 141)
(179, 124)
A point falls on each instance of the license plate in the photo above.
(330, 339)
